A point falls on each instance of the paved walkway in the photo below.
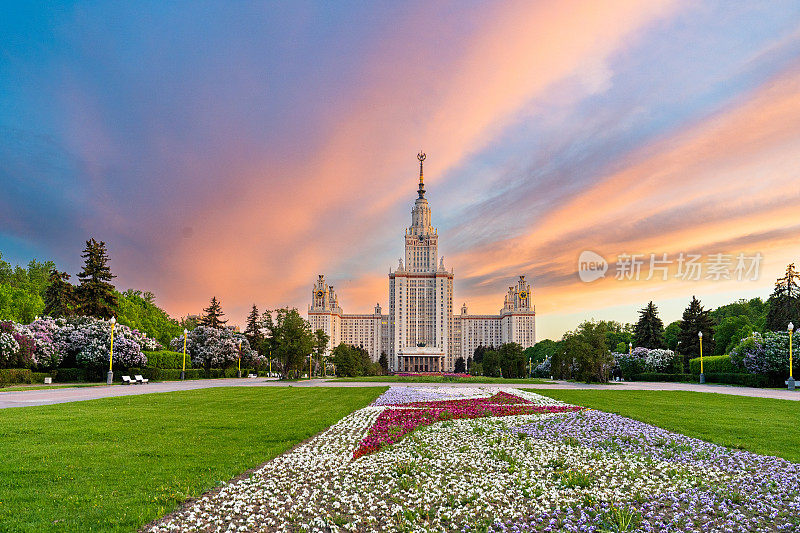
(77, 394)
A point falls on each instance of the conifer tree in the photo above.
(95, 294)
(694, 320)
(213, 315)
(59, 297)
(253, 330)
(649, 331)
(784, 303)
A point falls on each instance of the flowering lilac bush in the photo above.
(215, 347)
(8, 346)
(643, 360)
(92, 344)
(764, 354)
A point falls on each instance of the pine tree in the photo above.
(253, 329)
(695, 319)
(461, 366)
(649, 331)
(95, 294)
(383, 361)
(213, 315)
(784, 303)
(59, 297)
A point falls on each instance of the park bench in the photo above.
(252, 375)
(126, 380)
(140, 379)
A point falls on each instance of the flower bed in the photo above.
(393, 424)
(570, 471)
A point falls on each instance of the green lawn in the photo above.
(117, 463)
(443, 379)
(761, 425)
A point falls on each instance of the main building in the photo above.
(421, 333)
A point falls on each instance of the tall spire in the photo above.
(421, 190)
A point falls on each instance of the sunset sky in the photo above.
(240, 149)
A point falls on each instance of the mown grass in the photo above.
(116, 464)
(760, 425)
(443, 379)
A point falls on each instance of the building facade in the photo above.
(421, 333)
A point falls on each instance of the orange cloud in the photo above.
(294, 219)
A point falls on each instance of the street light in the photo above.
(110, 375)
(790, 382)
(239, 363)
(630, 348)
(183, 369)
(702, 375)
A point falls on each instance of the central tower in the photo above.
(421, 297)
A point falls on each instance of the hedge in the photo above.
(12, 376)
(720, 364)
(739, 378)
(174, 374)
(652, 376)
(728, 378)
(167, 359)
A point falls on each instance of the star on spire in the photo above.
(421, 157)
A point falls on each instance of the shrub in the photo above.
(764, 354)
(38, 377)
(713, 364)
(657, 376)
(69, 375)
(647, 361)
(739, 378)
(213, 348)
(167, 359)
(12, 376)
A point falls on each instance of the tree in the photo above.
(694, 320)
(541, 351)
(479, 352)
(671, 335)
(585, 350)
(618, 333)
(253, 328)
(95, 294)
(383, 361)
(291, 339)
(730, 331)
(352, 361)
(138, 310)
(213, 315)
(649, 330)
(461, 366)
(512, 360)
(320, 344)
(784, 303)
(490, 363)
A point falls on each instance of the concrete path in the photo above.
(76, 394)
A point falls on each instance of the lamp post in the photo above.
(239, 362)
(183, 369)
(309, 366)
(110, 375)
(630, 348)
(270, 363)
(702, 375)
(790, 382)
